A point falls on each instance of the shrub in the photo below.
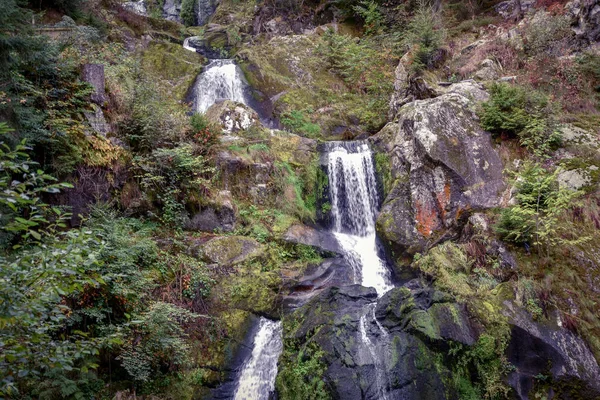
(547, 34)
(369, 11)
(527, 114)
(424, 36)
(188, 12)
(537, 218)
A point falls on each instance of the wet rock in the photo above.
(443, 166)
(362, 359)
(232, 117)
(230, 250)
(299, 289)
(536, 349)
(320, 239)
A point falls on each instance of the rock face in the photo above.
(391, 345)
(443, 167)
(94, 75)
(230, 250)
(548, 349)
(219, 216)
(585, 19)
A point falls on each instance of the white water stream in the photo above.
(354, 204)
(257, 378)
(353, 193)
(221, 80)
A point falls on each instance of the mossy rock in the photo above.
(231, 250)
(172, 63)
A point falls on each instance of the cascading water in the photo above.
(221, 79)
(257, 377)
(186, 45)
(354, 205)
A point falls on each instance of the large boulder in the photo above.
(550, 351)
(218, 216)
(443, 166)
(230, 250)
(232, 117)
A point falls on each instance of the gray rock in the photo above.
(444, 167)
(540, 349)
(230, 250)
(232, 117)
(585, 19)
(97, 121)
(488, 71)
(137, 7)
(172, 10)
(320, 239)
(576, 179)
(218, 216)
(94, 75)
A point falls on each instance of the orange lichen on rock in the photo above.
(426, 217)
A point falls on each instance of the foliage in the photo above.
(537, 218)
(21, 187)
(369, 11)
(478, 371)
(365, 66)
(175, 176)
(204, 133)
(297, 122)
(546, 34)
(156, 339)
(424, 36)
(301, 372)
(528, 114)
(188, 12)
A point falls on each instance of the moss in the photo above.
(383, 166)
(173, 64)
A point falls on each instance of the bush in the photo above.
(538, 216)
(547, 34)
(424, 36)
(527, 114)
(369, 11)
(188, 12)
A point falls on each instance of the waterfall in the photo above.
(205, 8)
(186, 45)
(221, 79)
(257, 377)
(354, 204)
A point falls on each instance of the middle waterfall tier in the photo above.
(221, 80)
(354, 204)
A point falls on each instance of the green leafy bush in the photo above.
(369, 11)
(537, 216)
(297, 122)
(188, 12)
(527, 114)
(424, 36)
